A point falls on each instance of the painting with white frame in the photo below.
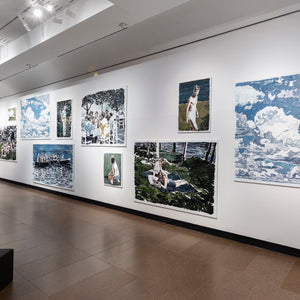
(113, 169)
(64, 119)
(194, 106)
(53, 165)
(267, 138)
(104, 118)
(35, 117)
(177, 175)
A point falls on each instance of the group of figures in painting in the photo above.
(177, 175)
(103, 119)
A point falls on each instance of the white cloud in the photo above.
(247, 95)
(288, 94)
(283, 128)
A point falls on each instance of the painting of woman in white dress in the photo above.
(194, 106)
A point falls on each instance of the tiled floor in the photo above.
(66, 249)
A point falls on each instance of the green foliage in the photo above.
(202, 121)
(196, 171)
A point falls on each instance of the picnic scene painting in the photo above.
(267, 138)
(178, 175)
(103, 118)
(194, 106)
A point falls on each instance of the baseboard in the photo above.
(224, 234)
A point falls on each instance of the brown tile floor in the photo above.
(66, 249)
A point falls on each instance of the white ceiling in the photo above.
(153, 26)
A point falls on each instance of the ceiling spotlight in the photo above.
(37, 12)
(49, 8)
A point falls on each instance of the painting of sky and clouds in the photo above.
(35, 118)
(267, 139)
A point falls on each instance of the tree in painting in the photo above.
(8, 143)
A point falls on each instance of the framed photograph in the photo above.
(267, 138)
(35, 118)
(177, 175)
(103, 118)
(64, 119)
(112, 168)
(194, 106)
(8, 143)
(12, 112)
(53, 165)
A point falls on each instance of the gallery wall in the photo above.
(267, 50)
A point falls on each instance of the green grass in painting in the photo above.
(198, 172)
(202, 121)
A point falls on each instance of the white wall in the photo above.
(267, 50)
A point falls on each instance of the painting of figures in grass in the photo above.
(64, 119)
(267, 138)
(8, 143)
(53, 165)
(177, 175)
(194, 106)
(113, 169)
(103, 118)
(12, 112)
(35, 118)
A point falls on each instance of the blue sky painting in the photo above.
(267, 139)
(35, 118)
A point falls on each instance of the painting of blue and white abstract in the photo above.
(35, 118)
(267, 139)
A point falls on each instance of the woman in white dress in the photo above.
(191, 113)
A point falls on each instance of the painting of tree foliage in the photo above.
(177, 175)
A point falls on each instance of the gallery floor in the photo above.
(66, 249)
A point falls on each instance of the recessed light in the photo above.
(37, 12)
(49, 7)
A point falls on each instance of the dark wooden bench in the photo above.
(6, 267)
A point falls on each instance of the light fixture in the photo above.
(49, 7)
(37, 12)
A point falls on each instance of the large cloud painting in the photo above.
(35, 118)
(267, 139)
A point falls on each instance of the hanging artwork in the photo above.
(35, 118)
(267, 139)
(53, 165)
(177, 175)
(8, 143)
(103, 118)
(12, 114)
(64, 119)
(194, 106)
(113, 169)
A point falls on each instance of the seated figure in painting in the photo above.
(166, 181)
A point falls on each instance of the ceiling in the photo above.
(98, 42)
